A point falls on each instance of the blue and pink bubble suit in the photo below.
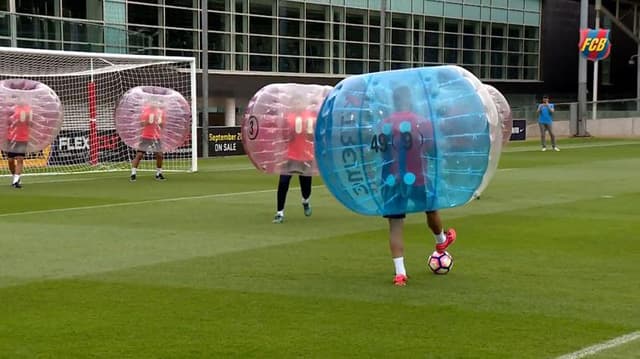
(31, 115)
(153, 113)
(408, 141)
(278, 128)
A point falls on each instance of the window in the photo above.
(38, 28)
(260, 25)
(179, 39)
(183, 3)
(289, 64)
(220, 5)
(289, 47)
(38, 7)
(261, 45)
(316, 66)
(316, 30)
(261, 7)
(316, 48)
(289, 28)
(218, 42)
(88, 9)
(260, 63)
(218, 21)
(144, 15)
(181, 18)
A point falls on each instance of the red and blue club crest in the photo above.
(594, 44)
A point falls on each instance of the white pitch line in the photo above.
(136, 203)
(615, 342)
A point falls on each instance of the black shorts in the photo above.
(294, 167)
(150, 145)
(16, 149)
(402, 201)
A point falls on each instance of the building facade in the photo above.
(254, 42)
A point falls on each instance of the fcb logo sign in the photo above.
(594, 44)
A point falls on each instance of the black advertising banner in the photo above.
(519, 130)
(225, 141)
(73, 147)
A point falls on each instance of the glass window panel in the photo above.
(470, 42)
(451, 40)
(497, 58)
(79, 32)
(355, 33)
(374, 66)
(241, 62)
(317, 49)
(289, 64)
(183, 3)
(218, 21)
(485, 14)
(261, 25)
(516, 17)
(374, 18)
(531, 60)
(472, 12)
(470, 27)
(531, 46)
(432, 24)
(88, 9)
(39, 7)
(316, 30)
(38, 28)
(496, 72)
(218, 61)
(181, 18)
(4, 26)
(289, 28)
(179, 39)
(114, 12)
(144, 15)
(434, 8)
(400, 37)
(354, 51)
(144, 36)
(497, 30)
(289, 46)
(515, 31)
(513, 59)
(499, 15)
(355, 16)
(290, 10)
(451, 56)
(374, 35)
(531, 32)
(242, 43)
(5, 42)
(260, 63)
(261, 7)
(416, 54)
(33, 44)
(400, 21)
(241, 23)
(221, 5)
(316, 12)
(84, 47)
(432, 39)
(400, 53)
(337, 68)
(338, 49)
(532, 5)
(530, 73)
(219, 42)
(337, 32)
(400, 65)
(4, 5)
(452, 10)
(531, 18)
(432, 55)
(515, 45)
(338, 14)
(452, 26)
(261, 45)
(316, 66)
(374, 52)
(516, 4)
(499, 3)
(513, 73)
(354, 67)
(416, 38)
(469, 57)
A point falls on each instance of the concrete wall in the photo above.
(610, 127)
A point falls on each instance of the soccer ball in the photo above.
(440, 263)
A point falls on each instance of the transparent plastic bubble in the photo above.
(405, 141)
(278, 128)
(30, 115)
(500, 132)
(153, 119)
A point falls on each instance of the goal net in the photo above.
(89, 86)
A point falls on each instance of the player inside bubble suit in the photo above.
(406, 138)
(19, 124)
(151, 121)
(300, 156)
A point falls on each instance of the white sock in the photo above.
(399, 264)
(280, 213)
(305, 201)
(440, 238)
(133, 171)
(16, 179)
(158, 171)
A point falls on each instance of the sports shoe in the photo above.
(160, 177)
(307, 209)
(556, 149)
(400, 280)
(544, 149)
(451, 237)
(133, 178)
(278, 218)
(16, 185)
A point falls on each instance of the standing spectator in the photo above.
(545, 119)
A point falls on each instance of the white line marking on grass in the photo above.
(615, 342)
(136, 203)
(606, 196)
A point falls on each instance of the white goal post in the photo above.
(90, 86)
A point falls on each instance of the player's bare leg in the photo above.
(134, 165)
(159, 159)
(18, 164)
(443, 240)
(396, 244)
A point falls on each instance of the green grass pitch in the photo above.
(547, 263)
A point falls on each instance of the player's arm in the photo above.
(552, 108)
(539, 108)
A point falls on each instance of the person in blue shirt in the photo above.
(545, 119)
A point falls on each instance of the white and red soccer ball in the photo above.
(440, 263)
